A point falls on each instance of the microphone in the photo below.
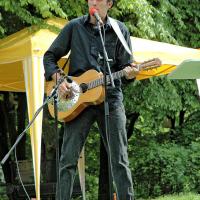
(94, 12)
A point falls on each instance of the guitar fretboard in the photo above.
(100, 81)
(121, 73)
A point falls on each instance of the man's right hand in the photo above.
(65, 88)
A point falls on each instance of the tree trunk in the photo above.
(7, 139)
(8, 133)
(10, 116)
(134, 117)
(21, 116)
(4, 145)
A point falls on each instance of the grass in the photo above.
(188, 196)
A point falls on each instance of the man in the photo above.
(81, 36)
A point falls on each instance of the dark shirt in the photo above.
(83, 39)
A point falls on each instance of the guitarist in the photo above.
(81, 36)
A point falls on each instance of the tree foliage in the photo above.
(165, 136)
(173, 21)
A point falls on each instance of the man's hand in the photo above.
(65, 88)
(131, 71)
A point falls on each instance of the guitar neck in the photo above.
(121, 73)
(100, 81)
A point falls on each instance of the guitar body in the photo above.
(91, 82)
(92, 96)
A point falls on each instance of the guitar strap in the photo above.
(118, 31)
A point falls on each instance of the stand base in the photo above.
(48, 191)
(48, 181)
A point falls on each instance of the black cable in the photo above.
(20, 179)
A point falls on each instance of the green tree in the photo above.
(173, 21)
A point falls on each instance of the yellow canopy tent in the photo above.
(21, 69)
(170, 55)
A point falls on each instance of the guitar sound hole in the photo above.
(84, 87)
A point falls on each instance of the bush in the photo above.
(164, 168)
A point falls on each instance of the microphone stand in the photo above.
(52, 94)
(107, 79)
(57, 139)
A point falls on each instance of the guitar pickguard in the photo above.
(66, 104)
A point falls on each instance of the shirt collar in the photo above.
(86, 20)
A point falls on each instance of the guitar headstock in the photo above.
(149, 64)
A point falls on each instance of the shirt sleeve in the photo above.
(59, 48)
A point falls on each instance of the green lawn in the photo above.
(179, 197)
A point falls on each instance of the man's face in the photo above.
(101, 5)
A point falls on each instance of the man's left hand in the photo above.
(131, 71)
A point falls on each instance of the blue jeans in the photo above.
(74, 138)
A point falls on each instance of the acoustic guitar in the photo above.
(88, 89)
